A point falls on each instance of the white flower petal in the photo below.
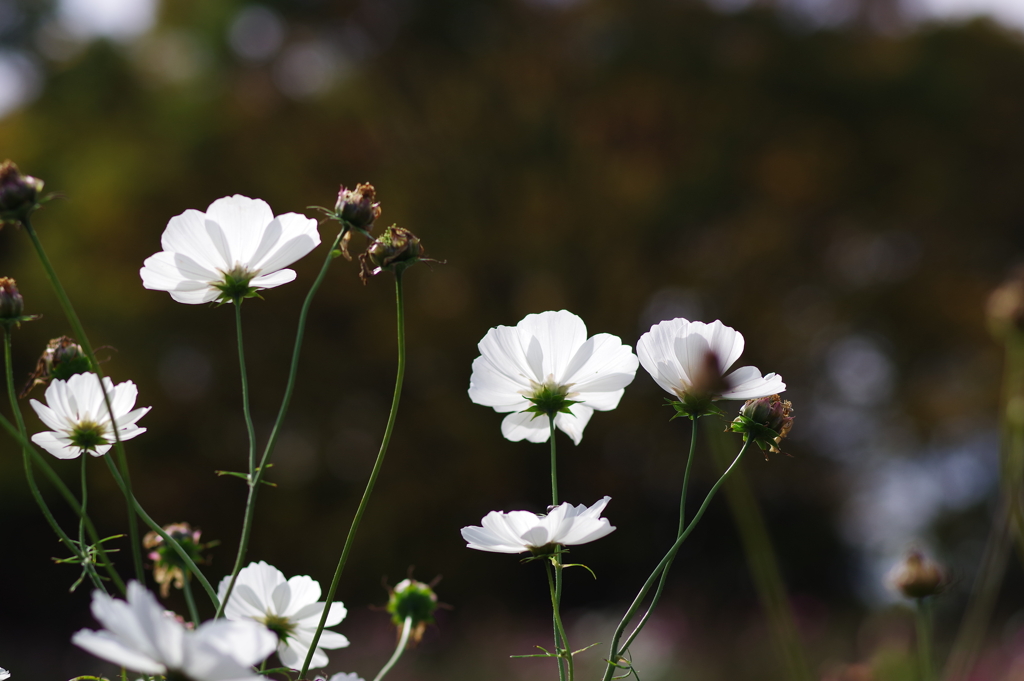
(518, 426)
(550, 340)
(274, 279)
(518, 531)
(243, 222)
(106, 646)
(332, 640)
(573, 424)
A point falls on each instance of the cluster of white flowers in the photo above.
(548, 356)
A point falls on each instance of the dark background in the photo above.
(844, 195)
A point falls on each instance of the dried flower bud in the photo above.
(917, 577)
(11, 303)
(63, 358)
(397, 248)
(357, 208)
(168, 567)
(412, 599)
(18, 193)
(766, 419)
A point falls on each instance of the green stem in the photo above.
(615, 650)
(190, 599)
(557, 594)
(83, 340)
(246, 411)
(924, 640)
(682, 526)
(364, 502)
(256, 477)
(85, 503)
(30, 477)
(170, 541)
(403, 641)
(562, 652)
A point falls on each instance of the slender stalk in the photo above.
(256, 476)
(615, 650)
(556, 595)
(62, 488)
(562, 651)
(364, 502)
(190, 599)
(924, 640)
(78, 550)
(403, 641)
(246, 411)
(85, 504)
(170, 541)
(682, 526)
(83, 340)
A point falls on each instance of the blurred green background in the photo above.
(844, 195)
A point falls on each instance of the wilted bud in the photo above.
(11, 303)
(357, 208)
(63, 358)
(412, 599)
(168, 567)
(917, 577)
(18, 193)
(397, 248)
(766, 419)
(1005, 306)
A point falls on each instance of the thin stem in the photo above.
(924, 640)
(85, 503)
(364, 502)
(31, 479)
(170, 541)
(562, 651)
(403, 641)
(557, 594)
(256, 477)
(245, 390)
(83, 339)
(615, 651)
(190, 599)
(62, 488)
(682, 526)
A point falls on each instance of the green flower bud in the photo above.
(412, 599)
(18, 193)
(63, 358)
(395, 249)
(168, 567)
(766, 419)
(918, 577)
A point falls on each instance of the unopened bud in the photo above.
(414, 600)
(917, 577)
(168, 566)
(63, 358)
(11, 303)
(766, 419)
(395, 249)
(18, 193)
(357, 207)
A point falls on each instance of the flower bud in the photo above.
(168, 567)
(395, 249)
(917, 577)
(18, 193)
(63, 358)
(11, 303)
(766, 419)
(412, 599)
(357, 208)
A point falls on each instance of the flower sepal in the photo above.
(550, 399)
(415, 600)
(693, 408)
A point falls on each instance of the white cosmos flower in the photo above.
(518, 531)
(78, 417)
(236, 246)
(288, 608)
(675, 353)
(4, 674)
(549, 353)
(140, 635)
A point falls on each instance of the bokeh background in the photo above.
(840, 181)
